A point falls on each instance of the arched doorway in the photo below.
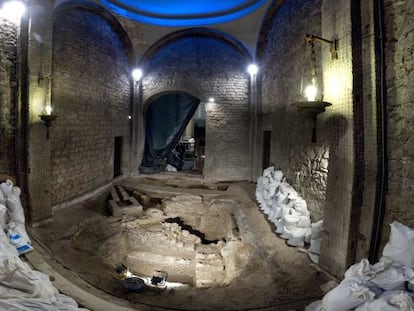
(174, 134)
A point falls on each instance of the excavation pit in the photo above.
(216, 247)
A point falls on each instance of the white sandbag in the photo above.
(279, 226)
(21, 230)
(296, 237)
(268, 171)
(308, 232)
(315, 246)
(17, 239)
(286, 188)
(7, 251)
(409, 275)
(304, 221)
(17, 279)
(400, 246)
(281, 198)
(314, 306)
(277, 210)
(363, 270)
(260, 182)
(349, 294)
(278, 175)
(14, 206)
(28, 304)
(30, 283)
(273, 187)
(286, 233)
(392, 278)
(390, 301)
(274, 214)
(301, 206)
(4, 218)
(317, 229)
(25, 304)
(290, 219)
(6, 187)
(314, 257)
(15, 213)
(66, 303)
(2, 198)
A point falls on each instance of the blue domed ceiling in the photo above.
(182, 12)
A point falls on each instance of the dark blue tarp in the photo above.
(166, 119)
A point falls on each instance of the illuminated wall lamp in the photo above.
(314, 105)
(47, 117)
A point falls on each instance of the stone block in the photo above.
(129, 207)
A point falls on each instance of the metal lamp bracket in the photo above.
(333, 43)
(48, 119)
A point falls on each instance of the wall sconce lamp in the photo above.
(47, 117)
(314, 104)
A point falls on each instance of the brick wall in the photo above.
(285, 65)
(399, 54)
(91, 94)
(8, 41)
(208, 67)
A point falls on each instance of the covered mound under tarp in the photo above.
(166, 119)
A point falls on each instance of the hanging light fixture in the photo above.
(313, 103)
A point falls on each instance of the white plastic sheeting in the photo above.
(13, 221)
(21, 287)
(288, 211)
(379, 287)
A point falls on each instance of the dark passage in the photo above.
(190, 229)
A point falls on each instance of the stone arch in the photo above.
(151, 99)
(97, 9)
(207, 63)
(199, 32)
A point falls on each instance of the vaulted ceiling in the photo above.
(183, 13)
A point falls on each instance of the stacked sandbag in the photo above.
(25, 289)
(314, 249)
(287, 210)
(383, 286)
(13, 221)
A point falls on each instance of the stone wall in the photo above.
(343, 120)
(284, 60)
(91, 94)
(8, 91)
(399, 54)
(208, 67)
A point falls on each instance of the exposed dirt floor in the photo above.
(85, 244)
